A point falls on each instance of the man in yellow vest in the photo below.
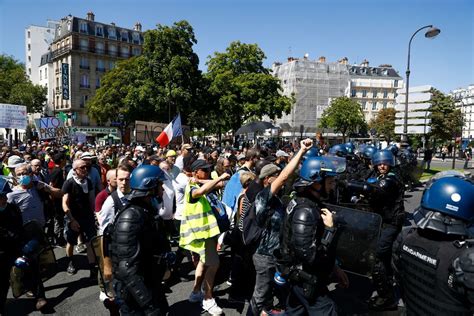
(199, 231)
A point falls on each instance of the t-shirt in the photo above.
(57, 177)
(179, 185)
(29, 202)
(78, 200)
(100, 198)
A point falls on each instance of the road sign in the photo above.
(414, 97)
(416, 89)
(417, 121)
(412, 114)
(413, 129)
(413, 106)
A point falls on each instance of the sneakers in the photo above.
(81, 248)
(229, 282)
(40, 304)
(211, 307)
(196, 297)
(71, 269)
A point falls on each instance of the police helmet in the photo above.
(447, 206)
(4, 187)
(393, 148)
(368, 151)
(350, 148)
(145, 178)
(315, 169)
(339, 150)
(312, 152)
(383, 157)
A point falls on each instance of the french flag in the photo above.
(173, 129)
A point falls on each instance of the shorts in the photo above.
(87, 230)
(212, 257)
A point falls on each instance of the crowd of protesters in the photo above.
(207, 195)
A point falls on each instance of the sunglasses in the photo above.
(82, 167)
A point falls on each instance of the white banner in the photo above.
(414, 129)
(419, 121)
(412, 114)
(416, 89)
(414, 97)
(13, 116)
(413, 107)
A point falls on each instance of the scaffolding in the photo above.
(314, 84)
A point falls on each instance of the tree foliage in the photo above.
(242, 87)
(344, 115)
(446, 120)
(16, 88)
(384, 123)
(161, 82)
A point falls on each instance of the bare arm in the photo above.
(209, 186)
(277, 184)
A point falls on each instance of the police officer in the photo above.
(139, 246)
(307, 254)
(434, 262)
(385, 195)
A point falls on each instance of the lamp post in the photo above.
(431, 33)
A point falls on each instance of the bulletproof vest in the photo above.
(424, 272)
(387, 199)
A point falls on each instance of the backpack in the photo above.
(221, 211)
(109, 229)
(251, 231)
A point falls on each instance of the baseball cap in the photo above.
(281, 153)
(15, 161)
(186, 146)
(240, 157)
(171, 153)
(139, 148)
(87, 155)
(268, 170)
(200, 164)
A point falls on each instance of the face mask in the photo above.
(24, 180)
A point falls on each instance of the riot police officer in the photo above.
(434, 262)
(139, 246)
(307, 255)
(384, 190)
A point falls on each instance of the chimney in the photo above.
(138, 27)
(343, 61)
(290, 59)
(322, 59)
(112, 23)
(364, 63)
(90, 16)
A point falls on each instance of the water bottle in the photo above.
(279, 279)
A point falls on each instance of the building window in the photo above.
(84, 45)
(395, 83)
(59, 30)
(100, 65)
(364, 105)
(97, 82)
(41, 74)
(364, 93)
(84, 63)
(124, 51)
(99, 48)
(29, 71)
(374, 106)
(29, 47)
(99, 31)
(112, 34)
(112, 50)
(84, 100)
(374, 94)
(46, 74)
(124, 36)
(29, 59)
(136, 38)
(136, 51)
(29, 34)
(385, 105)
(353, 93)
(69, 26)
(83, 27)
(385, 94)
(84, 81)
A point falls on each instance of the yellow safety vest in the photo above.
(198, 223)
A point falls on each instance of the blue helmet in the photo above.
(339, 150)
(312, 152)
(145, 178)
(383, 157)
(368, 151)
(315, 169)
(350, 147)
(4, 187)
(447, 206)
(393, 148)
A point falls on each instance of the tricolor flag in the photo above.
(172, 130)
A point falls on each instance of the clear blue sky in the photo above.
(378, 30)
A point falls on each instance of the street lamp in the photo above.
(431, 33)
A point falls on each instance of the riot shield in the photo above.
(357, 236)
(40, 251)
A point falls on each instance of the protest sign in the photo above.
(51, 128)
(13, 116)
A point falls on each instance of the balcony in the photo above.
(58, 90)
(86, 86)
(61, 51)
(84, 67)
(57, 71)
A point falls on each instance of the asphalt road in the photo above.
(73, 295)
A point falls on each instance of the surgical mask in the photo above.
(24, 180)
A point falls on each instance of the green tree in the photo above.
(384, 123)
(446, 120)
(242, 87)
(344, 115)
(16, 88)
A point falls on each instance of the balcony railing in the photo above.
(84, 66)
